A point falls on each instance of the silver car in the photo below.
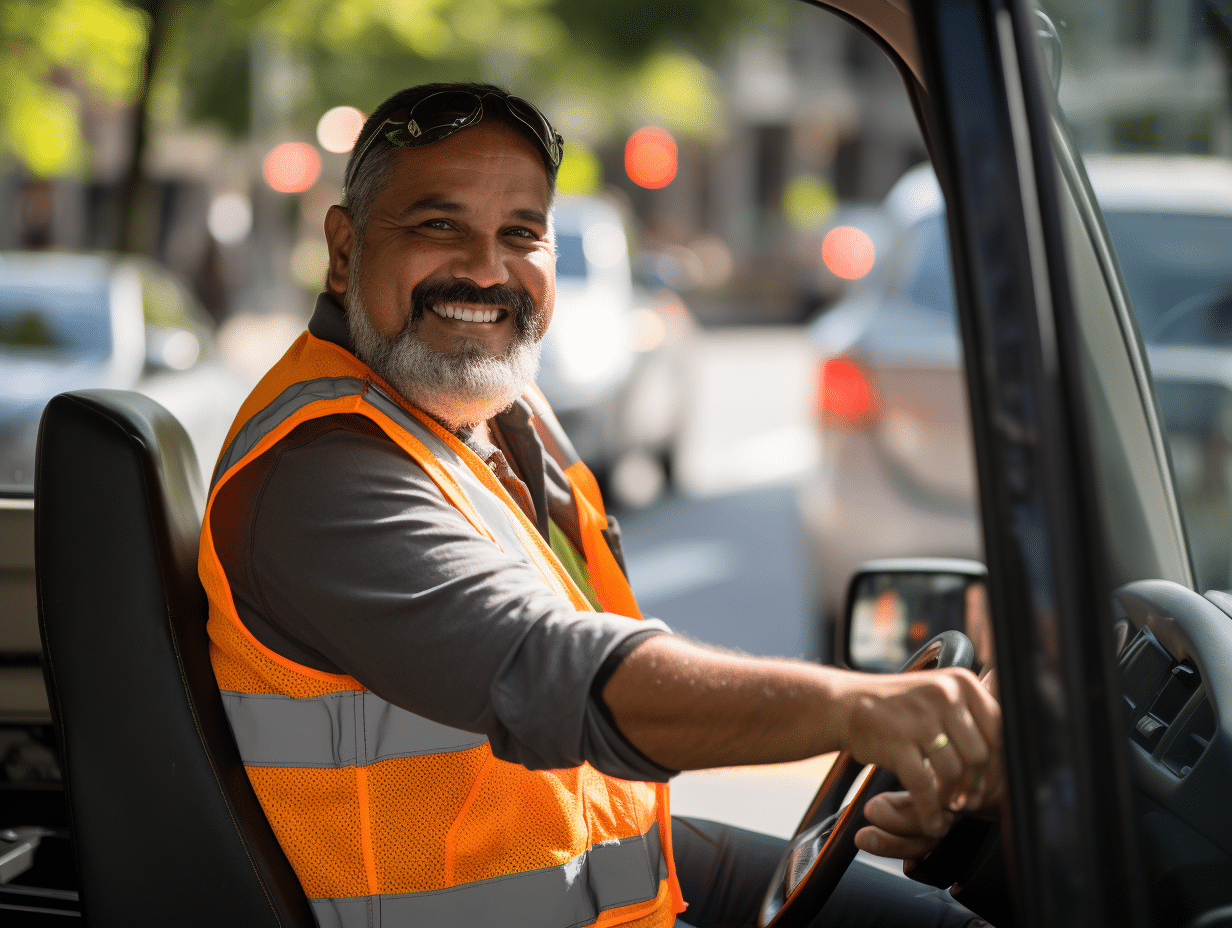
(897, 475)
(69, 321)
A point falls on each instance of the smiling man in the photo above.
(442, 690)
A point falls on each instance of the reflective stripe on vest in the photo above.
(606, 877)
(348, 728)
(352, 749)
(291, 400)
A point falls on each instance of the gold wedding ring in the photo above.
(937, 743)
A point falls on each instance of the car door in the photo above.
(1074, 488)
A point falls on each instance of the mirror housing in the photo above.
(896, 605)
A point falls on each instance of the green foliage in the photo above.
(630, 30)
(599, 68)
(57, 55)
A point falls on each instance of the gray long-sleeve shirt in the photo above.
(343, 555)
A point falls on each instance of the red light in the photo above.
(292, 167)
(651, 157)
(848, 252)
(846, 393)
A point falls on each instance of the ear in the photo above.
(340, 237)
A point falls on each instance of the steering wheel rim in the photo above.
(823, 846)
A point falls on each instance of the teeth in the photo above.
(466, 315)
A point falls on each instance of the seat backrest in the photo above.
(165, 825)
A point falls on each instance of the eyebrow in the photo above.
(440, 204)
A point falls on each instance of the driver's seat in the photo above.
(165, 826)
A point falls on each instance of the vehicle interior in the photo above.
(1113, 669)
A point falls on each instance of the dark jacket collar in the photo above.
(329, 324)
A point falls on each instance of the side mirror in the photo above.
(894, 606)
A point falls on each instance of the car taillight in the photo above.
(846, 393)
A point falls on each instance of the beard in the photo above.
(461, 386)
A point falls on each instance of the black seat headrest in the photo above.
(165, 825)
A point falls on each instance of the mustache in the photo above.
(516, 300)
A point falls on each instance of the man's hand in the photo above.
(897, 828)
(939, 731)
(688, 707)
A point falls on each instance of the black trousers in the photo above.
(724, 872)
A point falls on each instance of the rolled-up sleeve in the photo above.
(357, 557)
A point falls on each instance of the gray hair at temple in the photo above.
(372, 172)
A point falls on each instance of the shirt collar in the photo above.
(329, 324)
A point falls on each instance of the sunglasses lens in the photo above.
(439, 115)
(537, 123)
(434, 117)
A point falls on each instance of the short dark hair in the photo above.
(370, 175)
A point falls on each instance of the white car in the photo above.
(607, 366)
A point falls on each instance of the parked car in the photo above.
(1118, 755)
(69, 321)
(608, 366)
(897, 474)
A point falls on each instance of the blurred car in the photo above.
(604, 365)
(69, 321)
(897, 475)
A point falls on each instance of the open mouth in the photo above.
(468, 314)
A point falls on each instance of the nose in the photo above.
(482, 263)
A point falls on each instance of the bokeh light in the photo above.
(310, 262)
(848, 252)
(229, 218)
(339, 128)
(808, 201)
(580, 172)
(605, 244)
(292, 167)
(651, 157)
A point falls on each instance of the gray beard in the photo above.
(459, 388)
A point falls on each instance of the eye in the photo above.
(441, 225)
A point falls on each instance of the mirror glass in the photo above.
(893, 613)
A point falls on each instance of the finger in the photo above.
(918, 779)
(961, 762)
(973, 725)
(884, 844)
(894, 812)
(954, 777)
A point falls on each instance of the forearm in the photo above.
(688, 707)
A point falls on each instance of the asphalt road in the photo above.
(722, 560)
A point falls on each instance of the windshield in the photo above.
(570, 255)
(1177, 268)
(922, 266)
(37, 321)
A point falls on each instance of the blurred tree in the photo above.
(641, 61)
(61, 56)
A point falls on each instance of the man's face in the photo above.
(457, 266)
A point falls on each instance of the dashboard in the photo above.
(1176, 673)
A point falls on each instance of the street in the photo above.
(721, 559)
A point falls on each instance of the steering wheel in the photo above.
(824, 843)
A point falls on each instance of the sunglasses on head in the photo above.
(441, 114)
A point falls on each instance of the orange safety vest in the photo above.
(389, 818)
